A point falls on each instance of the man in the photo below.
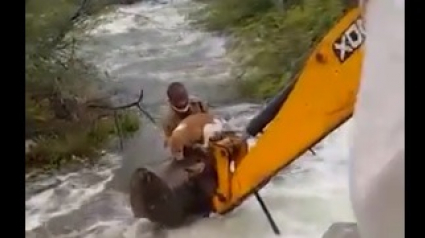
(181, 105)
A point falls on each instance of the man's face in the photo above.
(180, 100)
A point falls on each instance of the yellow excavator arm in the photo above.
(317, 102)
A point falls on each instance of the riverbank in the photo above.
(62, 125)
(268, 40)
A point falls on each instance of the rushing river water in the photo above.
(149, 45)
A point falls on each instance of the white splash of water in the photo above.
(52, 202)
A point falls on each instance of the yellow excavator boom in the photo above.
(320, 100)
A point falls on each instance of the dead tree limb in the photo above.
(115, 109)
(127, 106)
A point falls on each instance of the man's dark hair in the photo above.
(173, 87)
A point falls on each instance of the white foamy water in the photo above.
(148, 45)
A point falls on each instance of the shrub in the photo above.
(60, 85)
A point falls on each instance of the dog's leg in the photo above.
(208, 133)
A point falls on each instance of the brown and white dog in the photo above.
(196, 128)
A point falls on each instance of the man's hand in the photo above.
(195, 169)
(200, 147)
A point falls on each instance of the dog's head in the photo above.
(176, 146)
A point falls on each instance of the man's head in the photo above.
(178, 97)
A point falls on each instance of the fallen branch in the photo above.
(127, 106)
(123, 107)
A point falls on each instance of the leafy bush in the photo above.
(83, 143)
(60, 85)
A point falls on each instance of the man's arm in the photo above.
(166, 124)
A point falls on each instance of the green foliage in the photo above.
(60, 85)
(269, 41)
(82, 143)
(129, 123)
(221, 15)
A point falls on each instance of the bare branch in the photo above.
(127, 106)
